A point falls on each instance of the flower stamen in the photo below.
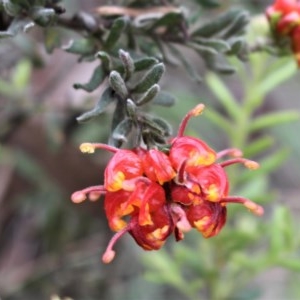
(196, 111)
(252, 206)
(91, 147)
(109, 253)
(250, 164)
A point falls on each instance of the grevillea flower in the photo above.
(284, 18)
(152, 194)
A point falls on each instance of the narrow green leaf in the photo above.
(217, 119)
(237, 26)
(106, 98)
(280, 238)
(258, 146)
(131, 109)
(273, 119)
(237, 44)
(224, 95)
(115, 32)
(149, 95)
(202, 49)
(94, 82)
(144, 63)
(217, 44)
(165, 127)
(277, 77)
(152, 77)
(267, 165)
(169, 19)
(118, 84)
(216, 25)
(128, 64)
(106, 60)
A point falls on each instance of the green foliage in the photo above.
(223, 267)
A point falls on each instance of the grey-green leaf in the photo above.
(128, 64)
(106, 98)
(144, 63)
(151, 78)
(117, 83)
(115, 32)
(121, 132)
(95, 81)
(105, 59)
(149, 95)
(217, 24)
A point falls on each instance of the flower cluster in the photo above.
(284, 18)
(152, 194)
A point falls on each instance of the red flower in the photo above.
(284, 18)
(157, 166)
(190, 151)
(212, 181)
(207, 217)
(151, 194)
(123, 166)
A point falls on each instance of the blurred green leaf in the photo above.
(106, 99)
(52, 38)
(170, 19)
(115, 32)
(273, 119)
(258, 145)
(217, 119)
(217, 24)
(267, 165)
(21, 75)
(278, 76)
(84, 46)
(217, 44)
(281, 238)
(144, 63)
(223, 95)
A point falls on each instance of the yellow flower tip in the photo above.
(108, 256)
(87, 148)
(254, 208)
(78, 197)
(198, 110)
(252, 165)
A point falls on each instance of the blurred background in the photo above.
(49, 246)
